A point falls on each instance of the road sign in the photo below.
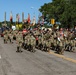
(53, 21)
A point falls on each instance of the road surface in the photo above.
(38, 63)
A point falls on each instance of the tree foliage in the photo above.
(63, 11)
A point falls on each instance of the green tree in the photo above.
(62, 11)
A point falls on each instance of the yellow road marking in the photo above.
(61, 56)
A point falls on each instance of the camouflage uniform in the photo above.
(60, 42)
(54, 41)
(14, 33)
(33, 42)
(5, 36)
(19, 41)
(25, 46)
(48, 44)
(40, 46)
(10, 35)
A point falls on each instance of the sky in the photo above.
(19, 6)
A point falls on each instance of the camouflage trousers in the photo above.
(19, 47)
(60, 50)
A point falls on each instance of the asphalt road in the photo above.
(38, 63)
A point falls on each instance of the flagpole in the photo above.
(5, 18)
(11, 19)
(28, 19)
(17, 20)
(22, 17)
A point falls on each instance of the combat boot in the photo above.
(17, 49)
(4, 40)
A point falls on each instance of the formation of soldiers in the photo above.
(45, 40)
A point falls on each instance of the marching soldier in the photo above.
(19, 41)
(5, 36)
(40, 46)
(33, 42)
(10, 36)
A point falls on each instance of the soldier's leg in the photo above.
(58, 49)
(67, 47)
(10, 40)
(26, 46)
(37, 43)
(42, 47)
(73, 46)
(45, 48)
(48, 49)
(70, 47)
(29, 47)
(55, 48)
(39, 46)
(17, 49)
(34, 49)
(62, 50)
(23, 44)
(4, 40)
(20, 47)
